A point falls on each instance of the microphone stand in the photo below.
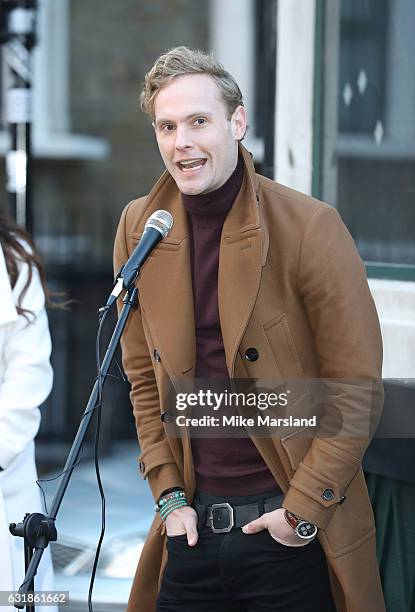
(37, 529)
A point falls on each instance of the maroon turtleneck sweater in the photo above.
(222, 466)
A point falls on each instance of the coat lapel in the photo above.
(242, 253)
(165, 285)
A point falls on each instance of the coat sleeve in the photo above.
(343, 318)
(26, 379)
(156, 461)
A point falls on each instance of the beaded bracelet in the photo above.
(168, 503)
(171, 490)
(170, 507)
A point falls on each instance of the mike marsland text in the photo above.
(258, 420)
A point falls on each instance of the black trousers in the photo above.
(237, 572)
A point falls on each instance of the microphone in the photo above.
(156, 228)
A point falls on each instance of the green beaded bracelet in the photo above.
(169, 508)
(178, 494)
(170, 502)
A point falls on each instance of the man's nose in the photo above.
(183, 138)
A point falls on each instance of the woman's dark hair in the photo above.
(12, 239)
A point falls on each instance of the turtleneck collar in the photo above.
(219, 201)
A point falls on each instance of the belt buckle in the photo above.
(210, 518)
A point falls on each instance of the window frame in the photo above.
(325, 131)
(51, 127)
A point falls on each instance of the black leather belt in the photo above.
(223, 517)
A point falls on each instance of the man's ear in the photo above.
(238, 123)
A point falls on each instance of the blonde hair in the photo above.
(182, 60)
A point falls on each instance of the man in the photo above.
(254, 281)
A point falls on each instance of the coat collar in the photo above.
(165, 284)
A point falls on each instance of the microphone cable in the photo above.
(103, 312)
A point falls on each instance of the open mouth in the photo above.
(189, 166)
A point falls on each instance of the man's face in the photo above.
(198, 143)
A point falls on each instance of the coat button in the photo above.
(328, 494)
(251, 354)
(166, 417)
(157, 357)
(342, 498)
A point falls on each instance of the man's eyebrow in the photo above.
(199, 114)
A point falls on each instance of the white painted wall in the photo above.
(232, 39)
(294, 94)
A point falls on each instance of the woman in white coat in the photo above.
(25, 382)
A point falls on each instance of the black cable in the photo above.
(98, 405)
(39, 480)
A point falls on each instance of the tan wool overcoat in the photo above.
(292, 285)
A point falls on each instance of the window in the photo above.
(376, 132)
(52, 137)
(345, 132)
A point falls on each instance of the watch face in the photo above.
(306, 530)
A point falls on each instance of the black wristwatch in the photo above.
(304, 529)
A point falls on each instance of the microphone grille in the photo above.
(160, 220)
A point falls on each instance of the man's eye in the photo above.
(167, 127)
(200, 121)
